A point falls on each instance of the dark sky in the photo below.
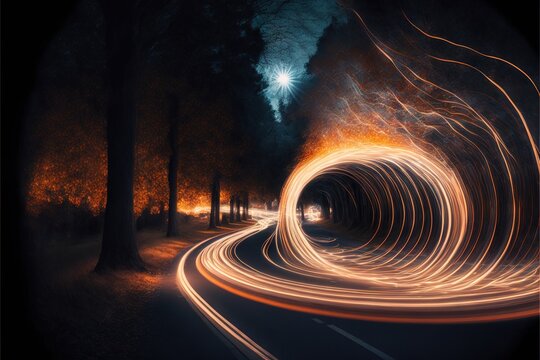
(290, 31)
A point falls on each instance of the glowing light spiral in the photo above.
(448, 284)
(459, 238)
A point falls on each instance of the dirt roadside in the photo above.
(83, 315)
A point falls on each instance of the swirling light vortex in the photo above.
(447, 285)
(460, 245)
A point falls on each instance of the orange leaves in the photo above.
(71, 166)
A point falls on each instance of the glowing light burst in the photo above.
(285, 80)
(461, 244)
(313, 214)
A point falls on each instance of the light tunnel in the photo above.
(423, 254)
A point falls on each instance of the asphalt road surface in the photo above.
(295, 335)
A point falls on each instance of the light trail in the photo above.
(441, 287)
(243, 342)
(454, 225)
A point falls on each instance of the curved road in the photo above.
(255, 330)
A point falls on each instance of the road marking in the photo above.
(364, 344)
(351, 337)
(236, 338)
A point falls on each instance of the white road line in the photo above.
(364, 344)
(318, 321)
(248, 347)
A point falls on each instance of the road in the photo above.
(284, 334)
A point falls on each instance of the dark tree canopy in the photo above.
(202, 54)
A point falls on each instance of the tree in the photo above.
(215, 202)
(237, 199)
(231, 209)
(119, 248)
(325, 206)
(133, 30)
(245, 205)
(172, 226)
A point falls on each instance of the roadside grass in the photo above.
(83, 315)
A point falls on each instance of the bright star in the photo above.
(283, 79)
(283, 83)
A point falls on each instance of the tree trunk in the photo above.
(214, 203)
(172, 225)
(325, 207)
(245, 206)
(218, 201)
(238, 218)
(212, 218)
(302, 211)
(231, 209)
(119, 248)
